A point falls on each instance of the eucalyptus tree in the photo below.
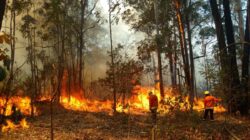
(28, 31)
(113, 81)
(127, 72)
(236, 98)
(144, 17)
(13, 9)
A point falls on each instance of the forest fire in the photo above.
(137, 103)
(21, 103)
(82, 104)
(15, 108)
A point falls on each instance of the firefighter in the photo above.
(209, 103)
(153, 105)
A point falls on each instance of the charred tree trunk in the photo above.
(2, 9)
(245, 63)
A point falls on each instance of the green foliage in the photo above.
(210, 72)
(127, 71)
(207, 32)
(20, 5)
(28, 23)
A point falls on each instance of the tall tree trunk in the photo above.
(221, 43)
(9, 84)
(171, 65)
(183, 44)
(112, 59)
(175, 56)
(245, 62)
(233, 70)
(159, 48)
(2, 9)
(83, 7)
(192, 70)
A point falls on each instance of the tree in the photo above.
(245, 65)
(127, 72)
(221, 42)
(112, 58)
(234, 78)
(159, 50)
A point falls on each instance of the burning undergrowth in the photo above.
(13, 111)
(137, 103)
(16, 108)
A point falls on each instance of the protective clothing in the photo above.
(153, 101)
(153, 105)
(210, 101)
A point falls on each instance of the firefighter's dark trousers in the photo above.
(154, 115)
(210, 112)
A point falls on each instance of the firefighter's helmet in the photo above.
(206, 92)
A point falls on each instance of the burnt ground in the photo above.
(73, 125)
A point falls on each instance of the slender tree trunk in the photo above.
(175, 56)
(51, 121)
(171, 65)
(83, 7)
(245, 63)
(2, 9)
(179, 79)
(112, 59)
(159, 47)
(9, 84)
(192, 68)
(183, 45)
(240, 18)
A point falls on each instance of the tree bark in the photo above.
(183, 45)
(83, 7)
(234, 80)
(245, 62)
(221, 42)
(112, 59)
(240, 18)
(159, 48)
(192, 70)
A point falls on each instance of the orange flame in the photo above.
(22, 104)
(11, 126)
(137, 103)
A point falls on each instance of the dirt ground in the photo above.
(73, 125)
